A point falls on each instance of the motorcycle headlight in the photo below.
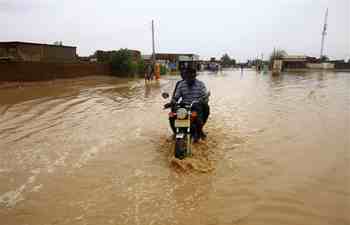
(181, 113)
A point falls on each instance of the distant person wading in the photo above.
(149, 73)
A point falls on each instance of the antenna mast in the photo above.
(324, 33)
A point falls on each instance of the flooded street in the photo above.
(98, 151)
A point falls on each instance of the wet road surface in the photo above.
(98, 151)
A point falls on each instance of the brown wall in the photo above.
(29, 52)
(342, 65)
(3, 52)
(58, 54)
(293, 65)
(21, 51)
(39, 71)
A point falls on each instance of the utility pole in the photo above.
(324, 33)
(153, 48)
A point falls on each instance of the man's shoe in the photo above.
(203, 135)
(195, 137)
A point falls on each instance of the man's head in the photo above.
(190, 76)
(182, 74)
(189, 71)
(183, 69)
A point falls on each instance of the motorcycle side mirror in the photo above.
(165, 95)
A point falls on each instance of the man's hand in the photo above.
(168, 105)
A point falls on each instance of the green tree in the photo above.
(141, 67)
(226, 61)
(122, 63)
(324, 58)
(233, 62)
(103, 56)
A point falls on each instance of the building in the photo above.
(340, 64)
(171, 60)
(36, 52)
(171, 57)
(294, 62)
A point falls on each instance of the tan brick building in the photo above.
(36, 52)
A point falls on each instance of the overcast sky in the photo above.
(243, 29)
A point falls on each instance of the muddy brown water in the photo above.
(97, 151)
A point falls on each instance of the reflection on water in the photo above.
(98, 151)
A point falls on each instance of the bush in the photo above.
(324, 58)
(103, 56)
(122, 63)
(141, 67)
(226, 61)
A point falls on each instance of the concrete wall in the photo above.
(40, 71)
(320, 65)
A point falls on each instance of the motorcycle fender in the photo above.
(180, 135)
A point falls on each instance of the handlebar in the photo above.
(201, 100)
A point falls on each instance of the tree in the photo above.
(233, 62)
(122, 63)
(226, 61)
(103, 56)
(324, 58)
(141, 67)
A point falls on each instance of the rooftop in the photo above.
(294, 57)
(31, 43)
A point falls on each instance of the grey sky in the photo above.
(242, 29)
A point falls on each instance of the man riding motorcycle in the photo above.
(168, 105)
(190, 89)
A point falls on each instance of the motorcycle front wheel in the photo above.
(180, 147)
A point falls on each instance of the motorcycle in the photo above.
(185, 123)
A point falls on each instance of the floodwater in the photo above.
(98, 151)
